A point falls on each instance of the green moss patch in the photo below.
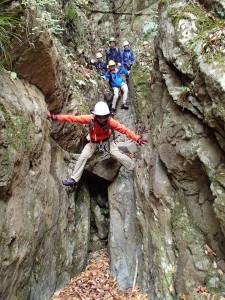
(140, 76)
(17, 134)
(207, 26)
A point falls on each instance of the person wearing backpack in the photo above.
(113, 75)
(100, 64)
(113, 53)
(101, 125)
(128, 56)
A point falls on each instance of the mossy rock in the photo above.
(143, 93)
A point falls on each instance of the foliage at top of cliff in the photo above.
(8, 22)
(198, 25)
(204, 20)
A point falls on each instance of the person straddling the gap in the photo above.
(128, 56)
(113, 53)
(113, 75)
(101, 125)
(100, 64)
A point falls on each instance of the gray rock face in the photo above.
(37, 215)
(123, 234)
(168, 217)
(103, 166)
(45, 230)
(100, 221)
(81, 236)
(180, 174)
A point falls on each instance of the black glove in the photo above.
(51, 116)
(141, 142)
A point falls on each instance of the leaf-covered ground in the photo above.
(95, 283)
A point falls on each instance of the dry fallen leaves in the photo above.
(95, 283)
(215, 41)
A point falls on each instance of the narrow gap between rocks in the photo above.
(95, 281)
(99, 211)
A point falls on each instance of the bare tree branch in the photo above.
(133, 15)
(115, 12)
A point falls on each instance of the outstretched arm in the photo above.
(122, 129)
(83, 119)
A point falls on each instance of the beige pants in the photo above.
(124, 88)
(89, 150)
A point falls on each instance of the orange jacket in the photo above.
(98, 133)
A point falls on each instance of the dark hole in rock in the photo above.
(98, 189)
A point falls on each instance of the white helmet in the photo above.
(101, 109)
(98, 55)
(125, 43)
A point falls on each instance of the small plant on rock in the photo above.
(181, 93)
(48, 15)
(7, 24)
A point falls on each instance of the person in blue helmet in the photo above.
(117, 83)
(128, 56)
(113, 53)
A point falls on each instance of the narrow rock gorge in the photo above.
(167, 218)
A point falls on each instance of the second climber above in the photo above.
(116, 82)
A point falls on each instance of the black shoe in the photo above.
(69, 182)
(124, 106)
(113, 111)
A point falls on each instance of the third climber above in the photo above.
(117, 83)
(113, 53)
(128, 56)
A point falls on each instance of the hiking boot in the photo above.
(69, 182)
(124, 106)
(113, 111)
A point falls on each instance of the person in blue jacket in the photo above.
(113, 53)
(128, 56)
(100, 64)
(117, 83)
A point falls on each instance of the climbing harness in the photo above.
(103, 146)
